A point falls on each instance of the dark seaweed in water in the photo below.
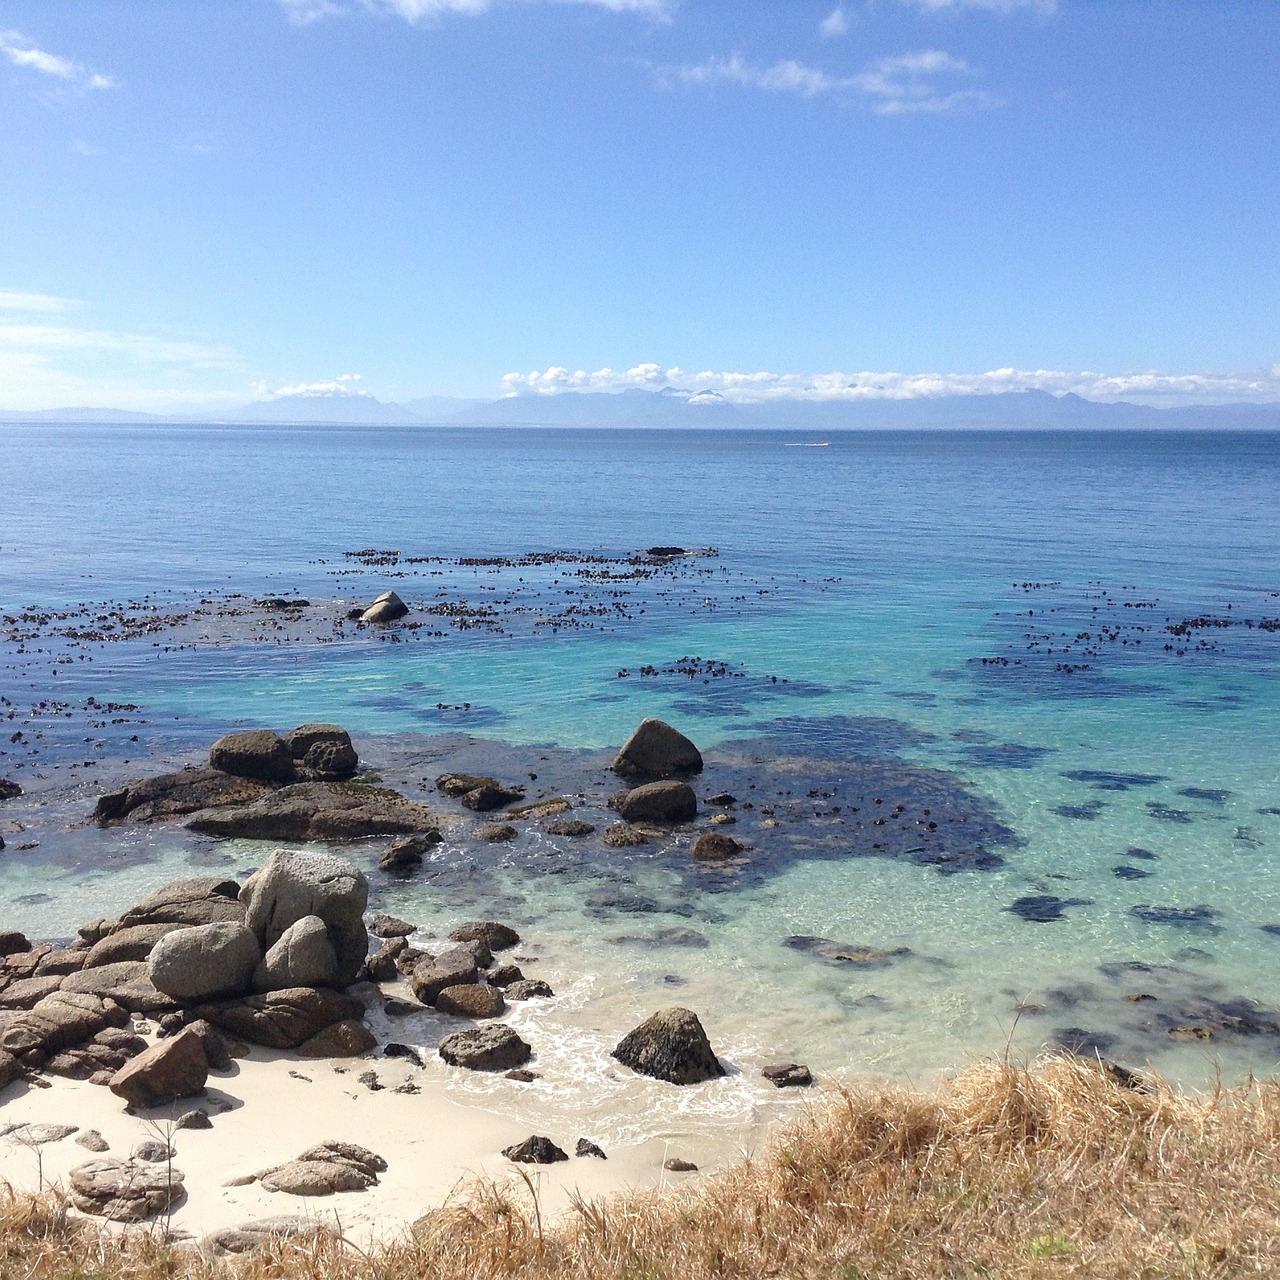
(1003, 755)
(1101, 780)
(1041, 908)
(1205, 793)
(1129, 873)
(1165, 814)
(1200, 917)
(1082, 812)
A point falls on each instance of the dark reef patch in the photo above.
(1101, 780)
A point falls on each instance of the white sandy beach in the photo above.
(277, 1105)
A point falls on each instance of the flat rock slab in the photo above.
(36, 1135)
(124, 1190)
(325, 1169)
(249, 1237)
(319, 811)
(172, 794)
(283, 1019)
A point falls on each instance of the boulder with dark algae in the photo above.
(656, 750)
(666, 801)
(671, 1045)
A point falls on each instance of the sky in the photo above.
(215, 201)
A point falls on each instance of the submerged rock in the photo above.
(495, 936)
(711, 846)
(670, 1045)
(788, 1075)
(405, 854)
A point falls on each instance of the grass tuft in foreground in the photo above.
(1059, 1169)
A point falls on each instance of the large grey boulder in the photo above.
(318, 811)
(656, 750)
(294, 884)
(667, 801)
(205, 961)
(302, 956)
(259, 753)
(322, 751)
(388, 607)
(672, 1046)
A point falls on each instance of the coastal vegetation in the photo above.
(1065, 1167)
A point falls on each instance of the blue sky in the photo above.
(206, 202)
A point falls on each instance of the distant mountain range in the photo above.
(1027, 410)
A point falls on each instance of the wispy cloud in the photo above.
(836, 23)
(341, 386)
(1151, 387)
(990, 6)
(26, 54)
(892, 86)
(36, 303)
(304, 12)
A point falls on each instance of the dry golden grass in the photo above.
(1053, 1170)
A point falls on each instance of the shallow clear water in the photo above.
(872, 576)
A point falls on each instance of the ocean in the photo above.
(1061, 649)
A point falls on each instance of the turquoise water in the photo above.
(871, 575)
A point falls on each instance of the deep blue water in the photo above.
(872, 576)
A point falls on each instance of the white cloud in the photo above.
(35, 303)
(304, 12)
(342, 385)
(23, 53)
(892, 86)
(990, 6)
(896, 86)
(747, 388)
(836, 23)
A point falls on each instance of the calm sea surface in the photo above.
(1063, 635)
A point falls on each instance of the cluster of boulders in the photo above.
(301, 785)
(264, 963)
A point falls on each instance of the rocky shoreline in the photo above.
(180, 985)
